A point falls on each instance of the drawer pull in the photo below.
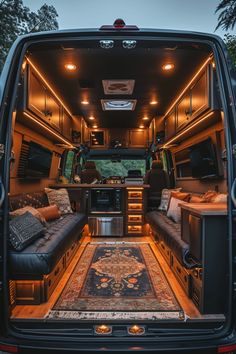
(56, 271)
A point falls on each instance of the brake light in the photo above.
(119, 24)
(226, 348)
(8, 348)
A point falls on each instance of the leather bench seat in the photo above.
(41, 256)
(170, 233)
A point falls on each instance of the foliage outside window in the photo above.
(119, 168)
(69, 165)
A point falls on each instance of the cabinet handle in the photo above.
(48, 113)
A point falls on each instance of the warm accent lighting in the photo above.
(103, 329)
(49, 130)
(49, 86)
(95, 126)
(136, 330)
(145, 118)
(168, 67)
(85, 102)
(141, 126)
(91, 118)
(70, 67)
(213, 65)
(153, 102)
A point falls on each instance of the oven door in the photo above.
(106, 226)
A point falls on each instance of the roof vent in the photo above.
(118, 105)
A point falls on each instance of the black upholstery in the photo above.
(41, 256)
(90, 173)
(170, 232)
(157, 178)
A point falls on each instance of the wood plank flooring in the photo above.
(40, 311)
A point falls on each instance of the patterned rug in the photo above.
(117, 281)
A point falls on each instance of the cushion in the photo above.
(181, 195)
(196, 199)
(209, 196)
(165, 198)
(24, 229)
(220, 198)
(31, 210)
(174, 210)
(34, 199)
(59, 197)
(50, 213)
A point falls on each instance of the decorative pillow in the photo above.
(209, 196)
(196, 199)
(181, 195)
(220, 198)
(165, 198)
(50, 213)
(24, 229)
(174, 210)
(31, 210)
(59, 197)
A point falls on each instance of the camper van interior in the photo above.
(118, 185)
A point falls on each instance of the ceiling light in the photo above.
(95, 126)
(141, 126)
(168, 67)
(145, 118)
(153, 102)
(70, 67)
(91, 118)
(85, 102)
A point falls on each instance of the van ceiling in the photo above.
(142, 64)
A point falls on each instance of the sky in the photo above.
(193, 15)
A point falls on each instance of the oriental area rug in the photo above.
(117, 281)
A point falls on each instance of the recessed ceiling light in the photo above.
(141, 126)
(145, 118)
(153, 102)
(95, 126)
(168, 67)
(70, 67)
(91, 118)
(85, 102)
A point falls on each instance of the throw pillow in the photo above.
(181, 195)
(50, 213)
(174, 210)
(220, 198)
(59, 197)
(31, 210)
(24, 229)
(196, 199)
(209, 196)
(165, 198)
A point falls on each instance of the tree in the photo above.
(227, 16)
(230, 41)
(17, 19)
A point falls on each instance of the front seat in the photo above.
(158, 179)
(90, 173)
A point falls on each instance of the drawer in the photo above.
(182, 275)
(52, 279)
(71, 251)
(165, 251)
(135, 195)
(135, 206)
(135, 229)
(135, 218)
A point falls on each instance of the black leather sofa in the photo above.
(47, 256)
(170, 232)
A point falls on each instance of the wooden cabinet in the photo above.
(183, 110)
(206, 230)
(52, 111)
(35, 95)
(137, 138)
(67, 125)
(135, 210)
(170, 125)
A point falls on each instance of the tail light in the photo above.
(8, 348)
(227, 349)
(119, 24)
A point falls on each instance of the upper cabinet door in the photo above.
(200, 95)
(53, 111)
(36, 95)
(67, 125)
(170, 128)
(137, 138)
(183, 111)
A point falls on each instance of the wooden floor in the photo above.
(40, 311)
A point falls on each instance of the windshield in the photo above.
(119, 168)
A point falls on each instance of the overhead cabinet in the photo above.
(42, 103)
(194, 102)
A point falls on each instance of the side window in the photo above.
(68, 165)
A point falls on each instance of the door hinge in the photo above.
(2, 150)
